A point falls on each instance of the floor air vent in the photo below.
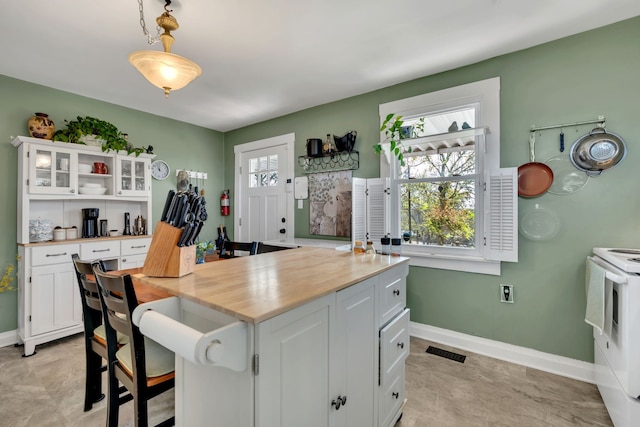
(446, 354)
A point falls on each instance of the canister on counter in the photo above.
(396, 247)
(59, 233)
(72, 233)
(385, 246)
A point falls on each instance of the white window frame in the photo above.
(485, 258)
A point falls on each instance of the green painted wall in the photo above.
(573, 79)
(569, 80)
(182, 145)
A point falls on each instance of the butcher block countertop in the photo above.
(258, 287)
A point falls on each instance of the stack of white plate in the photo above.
(94, 189)
(83, 168)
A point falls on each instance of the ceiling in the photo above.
(264, 59)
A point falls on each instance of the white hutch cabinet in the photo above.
(52, 178)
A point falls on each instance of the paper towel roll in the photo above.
(175, 336)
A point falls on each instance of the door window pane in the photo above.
(263, 171)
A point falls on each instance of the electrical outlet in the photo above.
(506, 293)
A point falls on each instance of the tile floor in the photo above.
(47, 389)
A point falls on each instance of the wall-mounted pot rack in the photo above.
(600, 121)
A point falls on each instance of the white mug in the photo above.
(64, 164)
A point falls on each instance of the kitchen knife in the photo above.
(167, 205)
(195, 234)
(181, 204)
(186, 233)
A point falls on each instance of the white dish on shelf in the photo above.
(91, 185)
(92, 190)
(82, 168)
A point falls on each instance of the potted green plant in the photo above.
(395, 131)
(82, 129)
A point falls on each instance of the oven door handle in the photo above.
(616, 278)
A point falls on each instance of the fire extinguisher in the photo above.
(224, 203)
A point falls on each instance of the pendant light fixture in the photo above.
(165, 70)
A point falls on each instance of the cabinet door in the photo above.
(55, 298)
(354, 373)
(52, 171)
(133, 176)
(292, 385)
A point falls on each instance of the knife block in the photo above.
(165, 258)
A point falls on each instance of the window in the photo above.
(449, 202)
(263, 171)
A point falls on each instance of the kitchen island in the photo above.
(306, 336)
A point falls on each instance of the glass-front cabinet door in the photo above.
(52, 171)
(134, 176)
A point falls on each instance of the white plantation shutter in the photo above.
(501, 215)
(358, 210)
(369, 209)
(377, 209)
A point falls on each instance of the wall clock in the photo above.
(160, 169)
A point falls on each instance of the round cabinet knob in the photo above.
(395, 395)
(396, 292)
(401, 344)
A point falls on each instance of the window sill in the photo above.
(467, 265)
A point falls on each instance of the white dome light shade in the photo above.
(165, 70)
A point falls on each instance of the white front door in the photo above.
(264, 172)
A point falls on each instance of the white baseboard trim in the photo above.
(8, 338)
(559, 365)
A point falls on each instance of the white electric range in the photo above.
(617, 349)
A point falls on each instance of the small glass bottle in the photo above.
(396, 247)
(370, 249)
(358, 248)
(385, 246)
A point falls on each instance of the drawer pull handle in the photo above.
(101, 250)
(401, 344)
(395, 394)
(396, 292)
(61, 254)
(138, 247)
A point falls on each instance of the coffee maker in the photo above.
(90, 222)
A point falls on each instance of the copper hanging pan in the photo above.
(534, 178)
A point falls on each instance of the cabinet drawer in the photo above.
(392, 294)
(53, 254)
(391, 398)
(394, 345)
(135, 246)
(132, 261)
(98, 250)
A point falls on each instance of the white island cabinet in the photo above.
(308, 342)
(53, 178)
